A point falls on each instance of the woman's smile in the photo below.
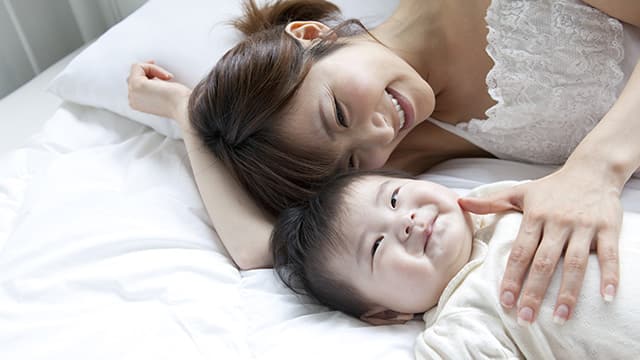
(403, 108)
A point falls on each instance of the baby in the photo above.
(384, 247)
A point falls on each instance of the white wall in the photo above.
(15, 67)
(34, 34)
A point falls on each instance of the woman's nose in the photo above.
(375, 131)
(378, 120)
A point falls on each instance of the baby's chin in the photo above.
(430, 303)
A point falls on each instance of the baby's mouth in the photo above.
(427, 234)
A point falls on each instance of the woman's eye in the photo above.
(340, 119)
(394, 198)
(376, 244)
(352, 164)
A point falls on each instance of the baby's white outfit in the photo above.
(470, 323)
(559, 65)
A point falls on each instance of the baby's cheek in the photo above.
(421, 296)
(453, 230)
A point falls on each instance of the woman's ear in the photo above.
(306, 31)
(385, 317)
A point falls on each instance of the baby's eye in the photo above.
(394, 198)
(376, 244)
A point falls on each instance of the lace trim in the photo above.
(556, 72)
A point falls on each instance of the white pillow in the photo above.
(186, 37)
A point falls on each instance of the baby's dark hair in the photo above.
(307, 235)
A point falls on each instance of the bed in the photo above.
(107, 252)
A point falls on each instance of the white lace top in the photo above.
(559, 65)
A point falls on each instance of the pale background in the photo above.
(38, 38)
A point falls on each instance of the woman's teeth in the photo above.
(398, 109)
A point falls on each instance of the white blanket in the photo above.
(106, 252)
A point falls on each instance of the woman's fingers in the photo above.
(522, 251)
(509, 199)
(607, 248)
(152, 70)
(150, 92)
(149, 70)
(574, 267)
(540, 272)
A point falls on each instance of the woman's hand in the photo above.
(151, 91)
(567, 208)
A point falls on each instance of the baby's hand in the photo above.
(151, 91)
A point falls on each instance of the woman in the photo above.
(299, 100)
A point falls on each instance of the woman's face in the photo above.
(358, 103)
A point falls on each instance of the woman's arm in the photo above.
(624, 10)
(243, 228)
(577, 206)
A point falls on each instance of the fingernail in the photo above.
(525, 316)
(561, 314)
(507, 299)
(609, 293)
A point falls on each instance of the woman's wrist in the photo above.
(179, 104)
(612, 170)
(611, 149)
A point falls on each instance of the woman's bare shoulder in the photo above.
(623, 10)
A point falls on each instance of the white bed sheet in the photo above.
(106, 252)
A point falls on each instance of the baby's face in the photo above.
(404, 240)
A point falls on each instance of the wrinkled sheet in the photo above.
(106, 252)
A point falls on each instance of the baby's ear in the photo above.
(385, 317)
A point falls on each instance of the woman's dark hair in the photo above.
(236, 109)
(306, 236)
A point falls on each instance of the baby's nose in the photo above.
(408, 226)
